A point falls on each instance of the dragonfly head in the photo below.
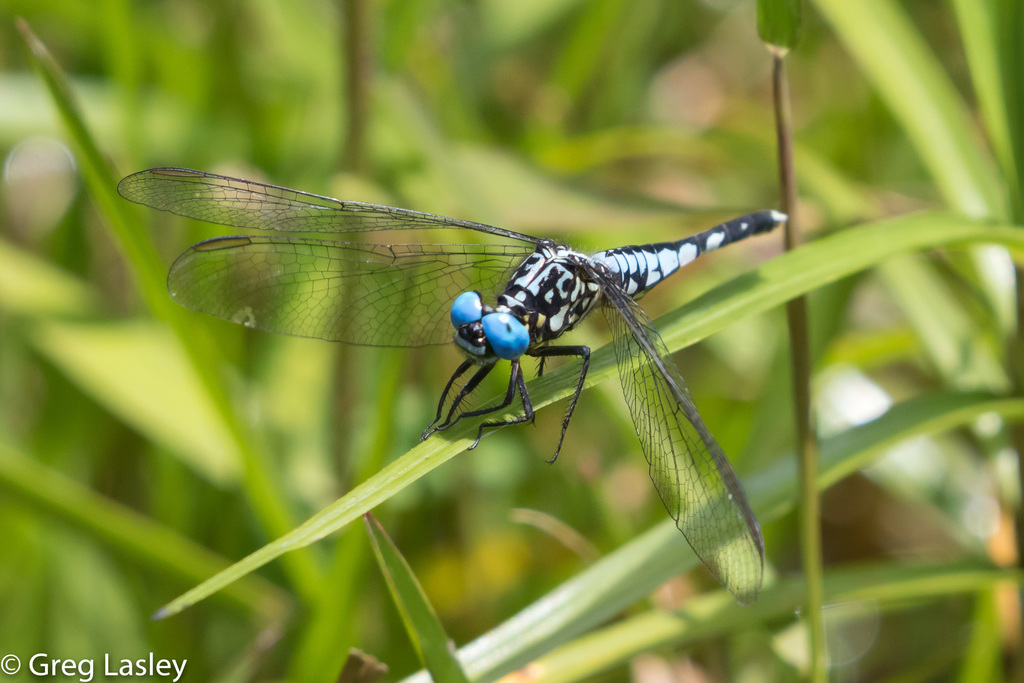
(483, 332)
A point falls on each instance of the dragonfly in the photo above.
(498, 302)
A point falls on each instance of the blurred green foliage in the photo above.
(144, 448)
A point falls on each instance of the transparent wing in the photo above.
(371, 294)
(691, 473)
(258, 206)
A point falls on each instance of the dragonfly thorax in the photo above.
(551, 291)
(486, 333)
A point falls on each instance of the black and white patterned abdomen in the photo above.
(641, 267)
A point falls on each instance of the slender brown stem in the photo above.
(1015, 366)
(356, 37)
(1009, 18)
(800, 352)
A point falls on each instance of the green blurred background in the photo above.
(133, 466)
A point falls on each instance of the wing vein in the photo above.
(690, 472)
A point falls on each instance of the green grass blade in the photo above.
(1010, 22)
(329, 624)
(99, 177)
(433, 647)
(154, 389)
(910, 79)
(982, 659)
(363, 498)
(630, 573)
(32, 287)
(714, 615)
(855, 449)
(149, 272)
(978, 22)
(120, 527)
(913, 83)
(963, 354)
(790, 275)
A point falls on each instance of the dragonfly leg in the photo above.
(582, 352)
(444, 395)
(467, 389)
(505, 403)
(516, 381)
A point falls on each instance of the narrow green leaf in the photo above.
(891, 586)
(908, 76)
(125, 58)
(329, 626)
(138, 371)
(122, 528)
(983, 659)
(433, 647)
(979, 28)
(778, 22)
(1010, 22)
(792, 274)
(149, 271)
(632, 572)
(962, 353)
(139, 252)
(508, 24)
(911, 80)
(584, 54)
(857, 448)
(32, 287)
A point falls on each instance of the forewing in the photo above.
(371, 294)
(691, 473)
(259, 206)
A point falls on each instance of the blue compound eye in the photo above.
(466, 309)
(506, 335)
